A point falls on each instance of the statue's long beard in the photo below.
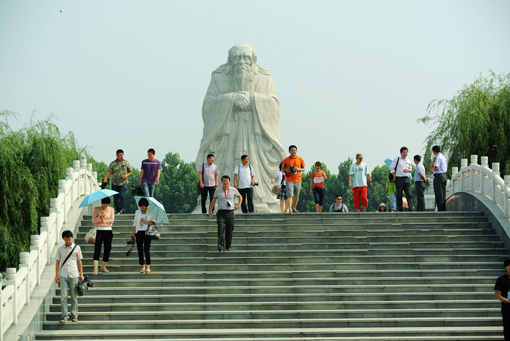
(243, 78)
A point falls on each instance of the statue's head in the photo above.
(242, 56)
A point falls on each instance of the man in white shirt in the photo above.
(439, 168)
(420, 179)
(400, 169)
(67, 276)
(244, 180)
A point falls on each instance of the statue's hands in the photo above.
(242, 101)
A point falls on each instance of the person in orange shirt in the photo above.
(293, 165)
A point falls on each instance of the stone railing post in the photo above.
(45, 222)
(23, 263)
(90, 179)
(495, 173)
(69, 176)
(34, 245)
(485, 161)
(83, 168)
(62, 190)
(474, 162)
(455, 170)
(76, 169)
(463, 165)
(54, 209)
(11, 280)
(505, 195)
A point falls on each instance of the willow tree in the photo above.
(32, 160)
(476, 121)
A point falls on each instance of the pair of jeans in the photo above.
(120, 199)
(440, 191)
(393, 202)
(247, 194)
(106, 237)
(420, 195)
(68, 286)
(225, 220)
(404, 184)
(143, 245)
(205, 191)
(318, 195)
(148, 189)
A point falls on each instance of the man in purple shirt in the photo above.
(208, 177)
(149, 174)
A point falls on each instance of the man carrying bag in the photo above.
(68, 274)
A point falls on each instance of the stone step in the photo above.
(119, 265)
(161, 257)
(285, 305)
(281, 314)
(289, 274)
(282, 289)
(293, 250)
(150, 324)
(287, 334)
(283, 297)
(144, 281)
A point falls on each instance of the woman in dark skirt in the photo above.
(280, 177)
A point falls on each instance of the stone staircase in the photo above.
(369, 276)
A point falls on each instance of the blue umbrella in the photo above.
(388, 162)
(96, 196)
(157, 208)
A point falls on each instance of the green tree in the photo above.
(177, 185)
(476, 121)
(32, 160)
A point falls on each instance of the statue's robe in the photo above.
(230, 132)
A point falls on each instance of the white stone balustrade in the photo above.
(80, 180)
(481, 179)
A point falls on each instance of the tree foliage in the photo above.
(32, 160)
(476, 121)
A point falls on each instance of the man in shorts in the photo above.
(293, 165)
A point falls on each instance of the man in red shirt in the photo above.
(293, 165)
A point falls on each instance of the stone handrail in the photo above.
(481, 179)
(80, 180)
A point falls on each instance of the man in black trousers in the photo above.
(439, 168)
(400, 169)
(501, 290)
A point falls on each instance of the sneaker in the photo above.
(75, 319)
(64, 320)
(123, 212)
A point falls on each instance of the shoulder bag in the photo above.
(278, 189)
(152, 232)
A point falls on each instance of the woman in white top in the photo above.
(103, 218)
(143, 218)
(280, 177)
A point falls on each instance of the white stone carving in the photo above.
(241, 114)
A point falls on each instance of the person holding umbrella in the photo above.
(103, 218)
(143, 218)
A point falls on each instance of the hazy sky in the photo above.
(351, 76)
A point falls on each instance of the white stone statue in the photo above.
(241, 114)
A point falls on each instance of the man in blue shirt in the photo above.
(439, 168)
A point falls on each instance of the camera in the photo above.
(293, 169)
(130, 242)
(104, 184)
(255, 184)
(137, 190)
(82, 287)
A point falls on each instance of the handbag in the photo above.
(200, 189)
(278, 189)
(152, 232)
(82, 287)
(90, 237)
